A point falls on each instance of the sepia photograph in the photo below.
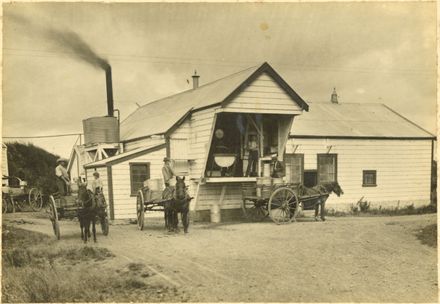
(253, 152)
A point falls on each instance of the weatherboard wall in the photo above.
(263, 95)
(403, 169)
(125, 204)
(143, 142)
(5, 170)
(201, 123)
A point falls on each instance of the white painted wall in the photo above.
(149, 141)
(5, 169)
(263, 95)
(201, 123)
(403, 169)
(125, 204)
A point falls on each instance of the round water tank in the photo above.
(101, 130)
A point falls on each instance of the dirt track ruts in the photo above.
(353, 259)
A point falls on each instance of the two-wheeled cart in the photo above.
(148, 200)
(67, 207)
(16, 194)
(275, 199)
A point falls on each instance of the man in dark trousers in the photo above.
(63, 180)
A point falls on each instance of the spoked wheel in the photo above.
(283, 205)
(255, 211)
(140, 212)
(35, 199)
(53, 216)
(6, 205)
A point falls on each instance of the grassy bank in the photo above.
(37, 269)
(364, 209)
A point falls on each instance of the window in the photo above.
(139, 172)
(294, 168)
(369, 178)
(327, 168)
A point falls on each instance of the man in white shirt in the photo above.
(97, 187)
(63, 180)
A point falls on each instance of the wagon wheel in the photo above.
(6, 203)
(53, 216)
(255, 211)
(283, 205)
(140, 209)
(35, 199)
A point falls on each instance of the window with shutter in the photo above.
(327, 168)
(139, 172)
(294, 168)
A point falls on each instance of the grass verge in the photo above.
(35, 268)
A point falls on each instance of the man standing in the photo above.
(63, 180)
(253, 155)
(167, 172)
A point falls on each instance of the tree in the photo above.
(34, 165)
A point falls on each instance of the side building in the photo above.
(374, 153)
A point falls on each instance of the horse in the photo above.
(87, 212)
(323, 190)
(178, 202)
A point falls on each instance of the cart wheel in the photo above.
(255, 211)
(104, 225)
(53, 216)
(140, 209)
(283, 205)
(35, 199)
(5, 204)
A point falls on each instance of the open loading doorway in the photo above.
(242, 142)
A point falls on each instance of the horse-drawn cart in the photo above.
(69, 207)
(16, 194)
(148, 200)
(281, 202)
(171, 200)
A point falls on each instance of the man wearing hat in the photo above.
(168, 175)
(167, 172)
(63, 180)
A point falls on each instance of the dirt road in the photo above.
(353, 259)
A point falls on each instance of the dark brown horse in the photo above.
(87, 212)
(318, 196)
(179, 203)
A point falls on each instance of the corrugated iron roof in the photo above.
(355, 120)
(159, 116)
(116, 158)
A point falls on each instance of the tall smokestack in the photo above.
(108, 81)
(195, 80)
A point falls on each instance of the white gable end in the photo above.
(264, 95)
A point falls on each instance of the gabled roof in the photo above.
(160, 116)
(125, 156)
(356, 120)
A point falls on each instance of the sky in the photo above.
(370, 52)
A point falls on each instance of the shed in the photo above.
(374, 153)
(205, 131)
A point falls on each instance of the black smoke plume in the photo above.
(78, 46)
(66, 39)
